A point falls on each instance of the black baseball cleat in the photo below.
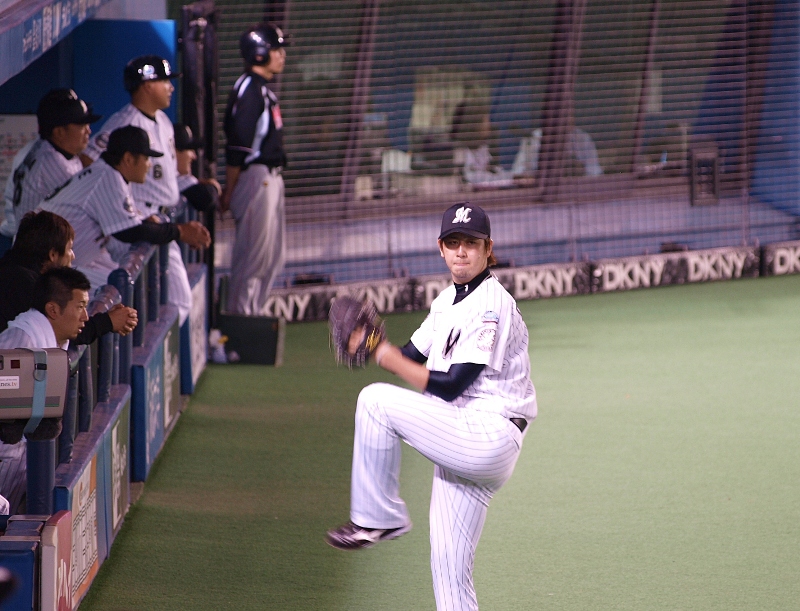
(351, 536)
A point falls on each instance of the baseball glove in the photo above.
(347, 319)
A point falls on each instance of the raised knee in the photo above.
(371, 394)
(371, 397)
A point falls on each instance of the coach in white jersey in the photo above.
(470, 359)
(50, 160)
(202, 195)
(148, 79)
(98, 203)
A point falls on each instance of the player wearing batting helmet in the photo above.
(255, 158)
(470, 361)
(148, 80)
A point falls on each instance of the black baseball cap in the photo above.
(61, 107)
(131, 139)
(147, 68)
(467, 219)
(184, 139)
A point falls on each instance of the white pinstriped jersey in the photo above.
(485, 328)
(97, 202)
(9, 226)
(161, 187)
(43, 171)
(186, 180)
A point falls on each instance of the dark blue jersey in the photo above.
(253, 124)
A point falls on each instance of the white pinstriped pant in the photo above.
(474, 453)
(13, 475)
(179, 291)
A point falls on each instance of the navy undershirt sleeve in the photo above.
(148, 231)
(202, 196)
(410, 351)
(450, 384)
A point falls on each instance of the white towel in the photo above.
(38, 328)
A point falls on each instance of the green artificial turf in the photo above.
(662, 472)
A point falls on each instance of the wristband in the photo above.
(379, 353)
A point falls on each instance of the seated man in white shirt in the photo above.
(582, 156)
(60, 298)
(472, 131)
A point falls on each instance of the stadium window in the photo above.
(575, 95)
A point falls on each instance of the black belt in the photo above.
(270, 166)
(520, 423)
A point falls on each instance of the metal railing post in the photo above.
(69, 419)
(121, 280)
(163, 261)
(85, 391)
(41, 465)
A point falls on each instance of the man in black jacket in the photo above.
(44, 240)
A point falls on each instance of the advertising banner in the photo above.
(408, 294)
(147, 412)
(155, 391)
(172, 376)
(81, 489)
(780, 259)
(114, 418)
(56, 575)
(194, 332)
(626, 273)
(85, 542)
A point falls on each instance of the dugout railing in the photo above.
(123, 398)
(137, 283)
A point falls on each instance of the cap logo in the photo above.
(167, 67)
(148, 72)
(462, 215)
(84, 107)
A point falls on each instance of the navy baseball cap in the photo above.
(61, 107)
(131, 139)
(467, 219)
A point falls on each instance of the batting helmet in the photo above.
(255, 43)
(146, 68)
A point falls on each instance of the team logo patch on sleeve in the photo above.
(128, 205)
(491, 317)
(102, 140)
(486, 338)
